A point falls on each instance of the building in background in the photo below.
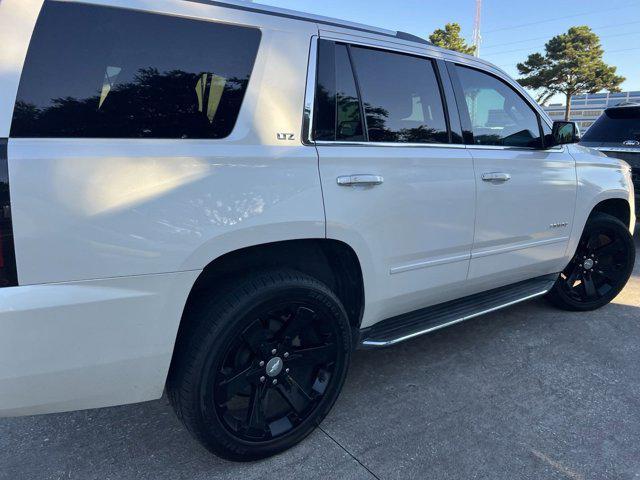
(585, 109)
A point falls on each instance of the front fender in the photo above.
(599, 178)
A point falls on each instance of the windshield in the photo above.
(615, 126)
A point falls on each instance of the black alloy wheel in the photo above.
(258, 366)
(276, 372)
(600, 269)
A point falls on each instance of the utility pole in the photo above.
(477, 36)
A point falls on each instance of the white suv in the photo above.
(224, 199)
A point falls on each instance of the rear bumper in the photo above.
(88, 344)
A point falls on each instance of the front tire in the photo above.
(259, 367)
(601, 268)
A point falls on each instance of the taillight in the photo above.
(8, 273)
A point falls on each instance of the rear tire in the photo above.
(601, 268)
(258, 367)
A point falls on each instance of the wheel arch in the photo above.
(616, 207)
(615, 203)
(332, 262)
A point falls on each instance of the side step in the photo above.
(404, 327)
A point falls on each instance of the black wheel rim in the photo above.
(599, 268)
(274, 375)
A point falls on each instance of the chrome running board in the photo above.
(410, 325)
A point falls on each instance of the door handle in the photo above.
(496, 177)
(360, 180)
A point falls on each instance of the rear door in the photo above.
(526, 193)
(395, 185)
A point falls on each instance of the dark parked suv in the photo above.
(617, 134)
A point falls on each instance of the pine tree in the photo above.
(572, 64)
(450, 39)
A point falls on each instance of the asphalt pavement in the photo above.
(525, 393)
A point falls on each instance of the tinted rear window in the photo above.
(401, 97)
(104, 72)
(338, 115)
(615, 126)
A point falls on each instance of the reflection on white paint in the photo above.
(276, 101)
(90, 187)
(17, 20)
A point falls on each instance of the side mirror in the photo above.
(564, 133)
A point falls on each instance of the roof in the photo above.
(249, 6)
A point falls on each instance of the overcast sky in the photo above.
(511, 29)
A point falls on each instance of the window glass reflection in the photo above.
(105, 72)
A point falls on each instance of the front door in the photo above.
(395, 188)
(526, 194)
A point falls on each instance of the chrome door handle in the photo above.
(362, 180)
(496, 177)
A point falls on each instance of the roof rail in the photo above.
(249, 6)
(413, 38)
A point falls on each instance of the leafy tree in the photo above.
(450, 38)
(572, 64)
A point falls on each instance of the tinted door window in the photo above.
(615, 126)
(106, 72)
(338, 115)
(401, 97)
(499, 116)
